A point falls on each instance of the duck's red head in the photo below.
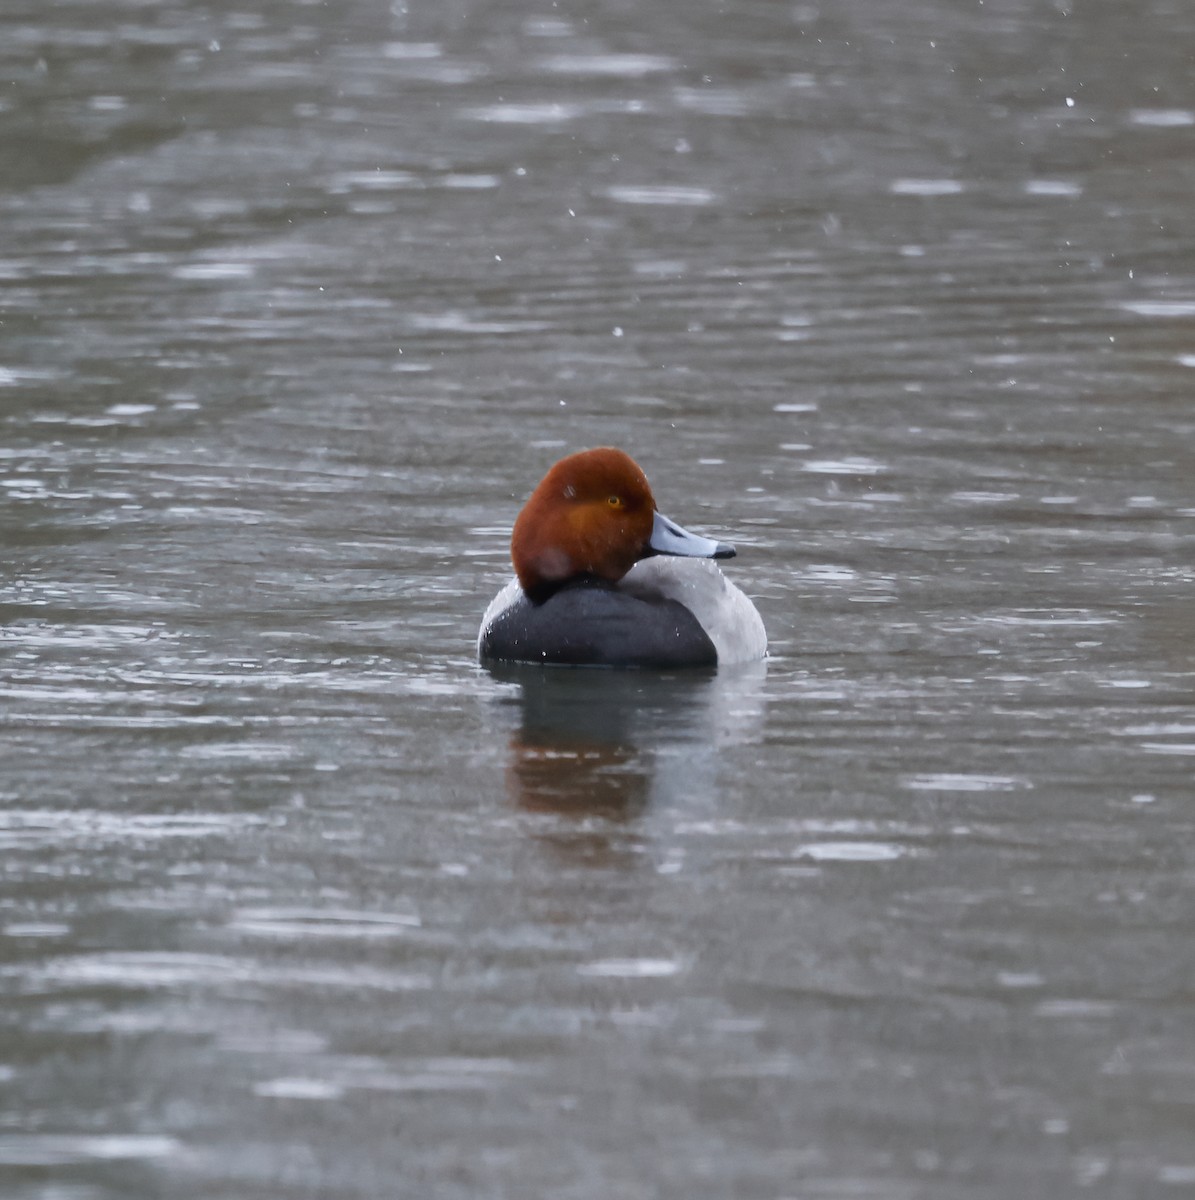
(593, 514)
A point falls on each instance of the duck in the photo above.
(603, 578)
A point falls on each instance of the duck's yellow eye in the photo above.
(614, 501)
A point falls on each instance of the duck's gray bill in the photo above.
(667, 537)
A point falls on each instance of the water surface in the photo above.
(296, 306)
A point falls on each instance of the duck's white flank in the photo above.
(725, 613)
(498, 605)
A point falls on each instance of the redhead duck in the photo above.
(591, 591)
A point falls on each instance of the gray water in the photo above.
(297, 303)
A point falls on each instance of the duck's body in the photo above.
(589, 592)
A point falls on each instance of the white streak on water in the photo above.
(49, 1150)
(1160, 308)
(631, 968)
(948, 782)
(1162, 118)
(322, 923)
(851, 851)
(613, 65)
(662, 194)
(299, 1089)
(926, 187)
(1052, 187)
(523, 114)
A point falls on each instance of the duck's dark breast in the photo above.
(591, 624)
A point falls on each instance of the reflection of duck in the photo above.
(580, 750)
(612, 743)
(576, 778)
(590, 591)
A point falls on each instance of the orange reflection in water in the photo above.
(576, 776)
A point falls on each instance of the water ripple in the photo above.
(322, 923)
(965, 782)
(631, 66)
(52, 1150)
(664, 194)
